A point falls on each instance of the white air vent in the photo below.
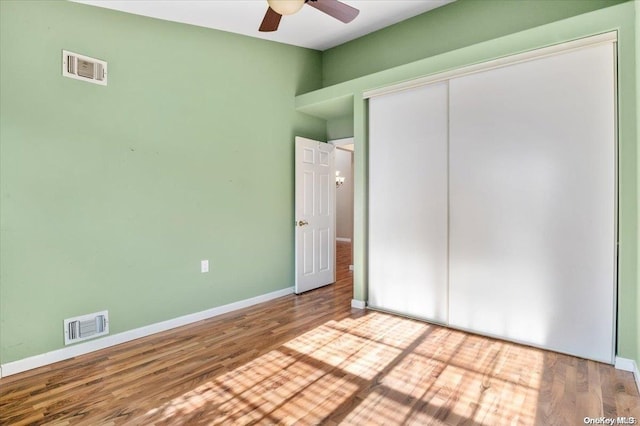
(84, 68)
(86, 327)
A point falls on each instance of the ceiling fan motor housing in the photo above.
(286, 7)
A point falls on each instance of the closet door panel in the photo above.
(532, 202)
(408, 202)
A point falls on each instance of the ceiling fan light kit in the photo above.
(277, 8)
(286, 7)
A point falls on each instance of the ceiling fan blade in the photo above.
(341, 11)
(270, 21)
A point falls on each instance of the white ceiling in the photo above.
(307, 28)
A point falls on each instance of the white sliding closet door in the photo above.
(532, 199)
(408, 202)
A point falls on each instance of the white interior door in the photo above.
(492, 201)
(532, 202)
(408, 202)
(315, 196)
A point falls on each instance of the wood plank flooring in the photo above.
(311, 359)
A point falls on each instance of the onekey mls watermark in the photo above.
(610, 420)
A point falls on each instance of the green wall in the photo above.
(456, 25)
(637, 63)
(340, 128)
(111, 196)
(517, 35)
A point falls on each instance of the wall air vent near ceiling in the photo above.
(86, 327)
(84, 68)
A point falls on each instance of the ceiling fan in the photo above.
(341, 11)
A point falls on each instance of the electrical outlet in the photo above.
(204, 266)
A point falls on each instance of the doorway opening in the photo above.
(344, 202)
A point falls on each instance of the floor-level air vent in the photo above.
(86, 327)
(84, 68)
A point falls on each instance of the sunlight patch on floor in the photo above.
(376, 369)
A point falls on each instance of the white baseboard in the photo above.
(358, 304)
(126, 336)
(344, 240)
(626, 364)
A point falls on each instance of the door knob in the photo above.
(303, 223)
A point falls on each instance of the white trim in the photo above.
(344, 240)
(345, 144)
(358, 304)
(343, 141)
(626, 364)
(609, 37)
(126, 336)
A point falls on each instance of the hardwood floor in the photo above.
(311, 359)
